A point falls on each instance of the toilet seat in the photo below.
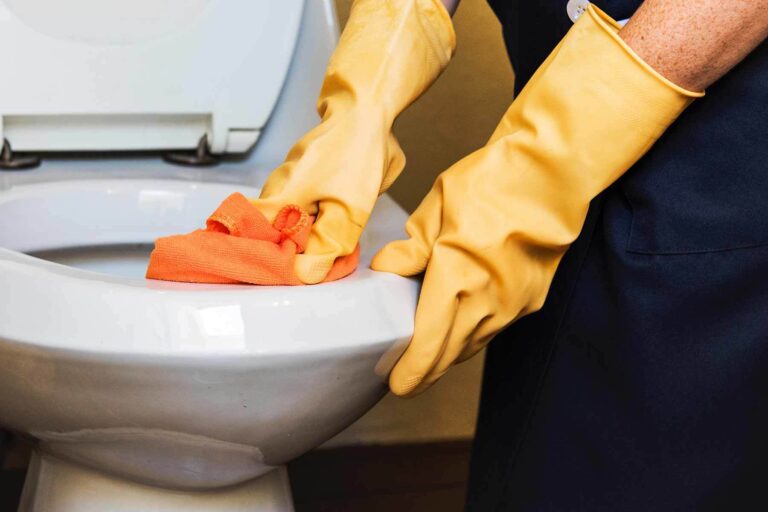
(94, 312)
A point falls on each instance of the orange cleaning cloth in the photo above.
(239, 245)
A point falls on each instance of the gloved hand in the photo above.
(389, 53)
(493, 229)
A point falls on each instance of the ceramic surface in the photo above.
(171, 384)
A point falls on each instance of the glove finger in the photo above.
(410, 257)
(433, 323)
(477, 316)
(403, 257)
(474, 347)
(466, 322)
(335, 233)
(287, 184)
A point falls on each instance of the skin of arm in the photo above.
(692, 42)
(695, 42)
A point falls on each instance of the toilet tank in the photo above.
(95, 75)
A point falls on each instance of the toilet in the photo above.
(144, 395)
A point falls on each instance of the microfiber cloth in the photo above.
(239, 245)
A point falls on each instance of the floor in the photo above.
(406, 478)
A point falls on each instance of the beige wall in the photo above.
(452, 119)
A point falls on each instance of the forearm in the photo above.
(693, 43)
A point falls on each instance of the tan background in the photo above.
(453, 118)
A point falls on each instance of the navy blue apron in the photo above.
(642, 385)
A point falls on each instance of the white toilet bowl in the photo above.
(149, 395)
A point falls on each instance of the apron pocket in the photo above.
(703, 214)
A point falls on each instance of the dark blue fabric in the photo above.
(642, 383)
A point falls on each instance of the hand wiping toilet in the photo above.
(239, 245)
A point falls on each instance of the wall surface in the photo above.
(452, 119)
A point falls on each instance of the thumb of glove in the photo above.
(403, 257)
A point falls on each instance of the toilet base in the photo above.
(54, 485)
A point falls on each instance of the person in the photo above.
(624, 210)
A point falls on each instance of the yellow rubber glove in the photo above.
(389, 53)
(493, 229)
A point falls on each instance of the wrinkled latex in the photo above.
(389, 53)
(493, 229)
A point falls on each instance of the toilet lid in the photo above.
(89, 75)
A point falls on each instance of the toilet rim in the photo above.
(143, 317)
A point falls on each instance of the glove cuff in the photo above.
(389, 53)
(612, 28)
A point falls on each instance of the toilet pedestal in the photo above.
(54, 485)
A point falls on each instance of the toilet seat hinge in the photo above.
(200, 157)
(12, 162)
